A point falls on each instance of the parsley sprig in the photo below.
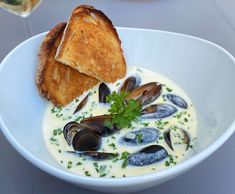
(122, 112)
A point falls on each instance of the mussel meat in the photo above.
(141, 136)
(146, 93)
(148, 155)
(104, 91)
(86, 140)
(97, 156)
(130, 84)
(81, 104)
(70, 129)
(177, 100)
(158, 111)
(97, 124)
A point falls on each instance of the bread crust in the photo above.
(91, 45)
(57, 82)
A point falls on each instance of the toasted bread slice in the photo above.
(91, 45)
(58, 82)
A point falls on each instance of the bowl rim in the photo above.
(93, 181)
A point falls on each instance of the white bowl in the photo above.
(204, 70)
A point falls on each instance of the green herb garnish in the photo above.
(112, 145)
(103, 175)
(100, 169)
(125, 163)
(57, 131)
(139, 137)
(78, 164)
(167, 163)
(169, 89)
(87, 173)
(69, 165)
(122, 112)
(124, 157)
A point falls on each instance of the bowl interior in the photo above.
(203, 70)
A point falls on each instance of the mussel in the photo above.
(104, 91)
(185, 138)
(70, 129)
(81, 104)
(86, 140)
(97, 156)
(148, 155)
(146, 93)
(130, 84)
(167, 137)
(141, 136)
(158, 111)
(97, 124)
(177, 100)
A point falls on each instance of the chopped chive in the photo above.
(125, 163)
(69, 165)
(103, 175)
(168, 89)
(87, 173)
(167, 163)
(78, 164)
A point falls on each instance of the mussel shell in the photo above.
(158, 111)
(186, 138)
(97, 156)
(81, 104)
(97, 124)
(146, 93)
(148, 135)
(69, 130)
(70, 136)
(104, 91)
(148, 155)
(130, 84)
(86, 140)
(177, 100)
(167, 137)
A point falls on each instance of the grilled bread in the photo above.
(91, 45)
(57, 82)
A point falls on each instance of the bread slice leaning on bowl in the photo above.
(91, 45)
(57, 82)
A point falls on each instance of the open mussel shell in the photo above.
(70, 129)
(86, 140)
(141, 136)
(146, 93)
(177, 100)
(97, 124)
(168, 139)
(81, 104)
(148, 155)
(186, 139)
(130, 84)
(104, 91)
(96, 156)
(158, 111)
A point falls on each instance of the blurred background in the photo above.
(213, 20)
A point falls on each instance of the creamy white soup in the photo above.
(161, 137)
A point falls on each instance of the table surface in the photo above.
(213, 20)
